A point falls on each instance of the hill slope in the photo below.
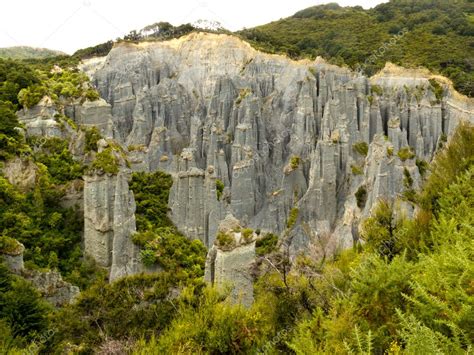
(434, 34)
(24, 52)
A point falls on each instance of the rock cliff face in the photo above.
(109, 222)
(248, 134)
(276, 132)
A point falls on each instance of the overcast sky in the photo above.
(68, 25)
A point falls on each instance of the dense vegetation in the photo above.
(435, 34)
(162, 243)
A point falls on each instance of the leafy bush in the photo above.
(361, 147)
(30, 96)
(292, 217)
(247, 234)
(92, 137)
(376, 89)
(406, 153)
(422, 166)
(131, 307)
(105, 162)
(211, 326)
(219, 189)
(361, 196)
(92, 95)
(266, 244)
(37, 220)
(55, 155)
(437, 89)
(356, 170)
(225, 241)
(9, 246)
(21, 306)
(161, 241)
(407, 179)
(295, 162)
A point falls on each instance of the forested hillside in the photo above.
(23, 52)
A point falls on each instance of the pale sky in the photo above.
(68, 25)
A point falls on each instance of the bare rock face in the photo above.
(52, 287)
(229, 265)
(92, 113)
(109, 219)
(21, 173)
(40, 119)
(109, 223)
(14, 258)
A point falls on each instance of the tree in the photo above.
(8, 120)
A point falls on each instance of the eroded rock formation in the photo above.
(209, 107)
(109, 222)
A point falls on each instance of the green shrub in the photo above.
(437, 89)
(406, 153)
(130, 307)
(92, 137)
(295, 162)
(247, 234)
(442, 140)
(407, 179)
(106, 162)
(293, 216)
(361, 196)
(266, 244)
(32, 95)
(449, 163)
(21, 306)
(225, 241)
(148, 257)
(361, 147)
(357, 170)
(389, 152)
(54, 153)
(213, 327)
(9, 246)
(422, 166)
(92, 95)
(219, 189)
(172, 251)
(376, 89)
